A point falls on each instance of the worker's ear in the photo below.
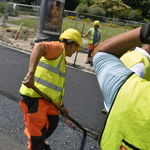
(75, 44)
(72, 44)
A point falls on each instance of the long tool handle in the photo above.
(77, 51)
(82, 30)
(57, 107)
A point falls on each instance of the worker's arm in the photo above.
(96, 44)
(85, 35)
(121, 43)
(37, 52)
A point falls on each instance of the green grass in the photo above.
(106, 31)
(26, 22)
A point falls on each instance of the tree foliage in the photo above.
(142, 5)
(145, 8)
(70, 4)
(28, 2)
(82, 8)
(89, 2)
(123, 14)
(135, 4)
(112, 6)
(135, 15)
(96, 10)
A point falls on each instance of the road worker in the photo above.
(138, 61)
(125, 93)
(47, 71)
(94, 35)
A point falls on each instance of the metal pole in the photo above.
(77, 14)
(77, 51)
(36, 19)
(126, 26)
(5, 13)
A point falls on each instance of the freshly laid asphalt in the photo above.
(82, 98)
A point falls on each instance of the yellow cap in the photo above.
(72, 34)
(97, 23)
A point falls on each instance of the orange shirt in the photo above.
(53, 50)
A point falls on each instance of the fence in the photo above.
(30, 15)
(91, 18)
(88, 19)
(15, 13)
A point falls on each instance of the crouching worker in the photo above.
(137, 61)
(126, 94)
(47, 71)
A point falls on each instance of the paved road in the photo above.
(82, 98)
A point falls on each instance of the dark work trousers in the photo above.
(41, 119)
(90, 53)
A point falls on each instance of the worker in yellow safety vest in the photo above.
(94, 35)
(126, 94)
(138, 61)
(47, 71)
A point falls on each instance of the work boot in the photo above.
(47, 146)
(104, 111)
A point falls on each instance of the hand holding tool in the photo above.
(70, 118)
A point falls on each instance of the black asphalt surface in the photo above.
(82, 98)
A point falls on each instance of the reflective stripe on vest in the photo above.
(91, 35)
(128, 123)
(134, 57)
(51, 69)
(49, 78)
(55, 70)
(48, 84)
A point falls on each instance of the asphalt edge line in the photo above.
(29, 52)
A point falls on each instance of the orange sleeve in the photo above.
(53, 49)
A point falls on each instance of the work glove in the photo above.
(145, 33)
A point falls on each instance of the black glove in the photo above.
(145, 33)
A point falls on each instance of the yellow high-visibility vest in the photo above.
(91, 35)
(134, 57)
(49, 78)
(128, 124)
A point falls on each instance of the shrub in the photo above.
(86, 20)
(129, 28)
(135, 25)
(112, 25)
(121, 24)
(135, 15)
(71, 17)
(2, 7)
(97, 11)
(13, 13)
(123, 14)
(82, 8)
(145, 21)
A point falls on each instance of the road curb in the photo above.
(68, 63)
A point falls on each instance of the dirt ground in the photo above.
(24, 41)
